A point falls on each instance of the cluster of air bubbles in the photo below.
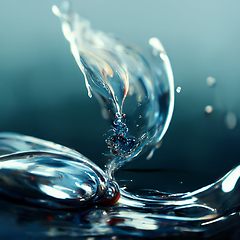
(211, 82)
(120, 143)
(230, 118)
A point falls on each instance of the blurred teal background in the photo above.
(42, 91)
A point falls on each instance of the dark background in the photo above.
(42, 91)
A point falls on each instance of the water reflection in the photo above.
(119, 221)
(50, 176)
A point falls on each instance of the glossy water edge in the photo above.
(51, 176)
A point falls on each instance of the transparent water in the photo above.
(45, 176)
(137, 98)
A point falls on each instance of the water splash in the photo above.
(137, 97)
(150, 99)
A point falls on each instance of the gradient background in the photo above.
(42, 91)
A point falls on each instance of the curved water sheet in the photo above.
(137, 97)
(210, 202)
(41, 173)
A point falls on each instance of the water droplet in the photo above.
(211, 82)
(231, 120)
(137, 125)
(208, 109)
(140, 116)
(178, 89)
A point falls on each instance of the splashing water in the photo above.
(138, 99)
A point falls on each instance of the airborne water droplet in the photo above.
(208, 109)
(211, 82)
(178, 89)
(231, 120)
